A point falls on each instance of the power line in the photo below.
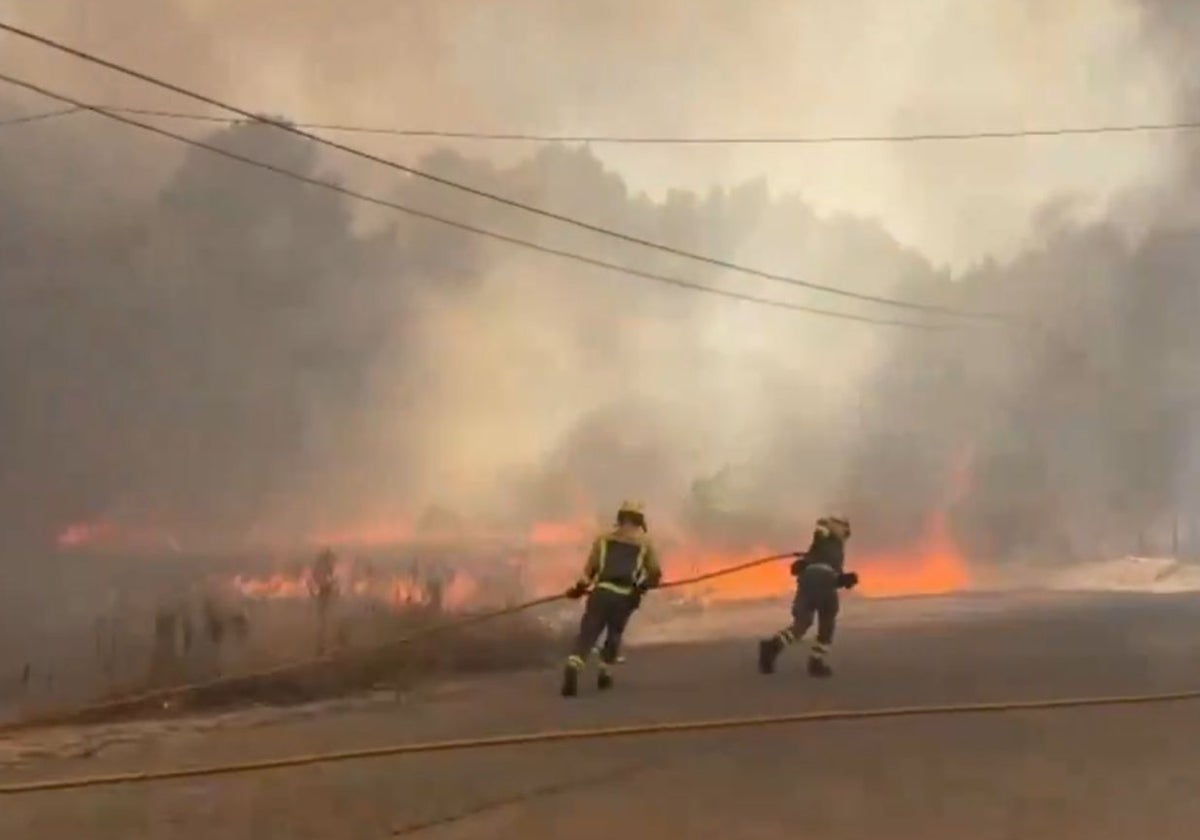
(45, 115)
(491, 234)
(673, 140)
(466, 188)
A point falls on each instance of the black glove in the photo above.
(847, 580)
(635, 597)
(577, 591)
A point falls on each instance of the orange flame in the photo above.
(79, 534)
(766, 581)
(551, 553)
(106, 534)
(272, 587)
(355, 583)
(933, 567)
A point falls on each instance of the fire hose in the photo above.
(560, 736)
(161, 698)
(547, 736)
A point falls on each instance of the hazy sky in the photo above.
(702, 67)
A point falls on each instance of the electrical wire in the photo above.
(680, 140)
(469, 228)
(45, 115)
(494, 197)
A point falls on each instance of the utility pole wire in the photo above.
(509, 202)
(491, 234)
(672, 140)
(45, 115)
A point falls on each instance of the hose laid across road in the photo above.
(559, 736)
(162, 697)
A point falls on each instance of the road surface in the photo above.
(1095, 774)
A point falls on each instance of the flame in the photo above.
(766, 581)
(79, 534)
(356, 582)
(934, 566)
(109, 535)
(272, 587)
(551, 553)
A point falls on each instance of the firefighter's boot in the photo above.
(818, 667)
(768, 652)
(570, 678)
(604, 680)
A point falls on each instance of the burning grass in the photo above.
(391, 579)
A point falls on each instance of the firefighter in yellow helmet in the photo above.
(620, 568)
(820, 573)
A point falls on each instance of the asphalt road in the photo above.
(1095, 774)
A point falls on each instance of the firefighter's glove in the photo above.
(638, 591)
(577, 591)
(848, 580)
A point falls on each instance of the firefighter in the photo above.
(621, 567)
(819, 575)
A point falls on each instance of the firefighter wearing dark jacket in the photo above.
(820, 573)
(620, 568)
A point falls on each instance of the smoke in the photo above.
(191, 345)
(1079, 427)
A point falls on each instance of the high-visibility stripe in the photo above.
(639, 568)
(574, 661)
(615, 587)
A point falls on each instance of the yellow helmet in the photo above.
(632, 513)
(630, 507)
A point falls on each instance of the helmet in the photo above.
(631, 513)
(839, 526)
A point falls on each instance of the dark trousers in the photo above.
(606, 613)
(816, 599)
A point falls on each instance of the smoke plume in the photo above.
(194, 347)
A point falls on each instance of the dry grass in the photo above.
(363, 657)
(506, 644)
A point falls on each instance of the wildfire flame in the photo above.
(552, 554)
(359, 583)
(105, 534)
(934, 566)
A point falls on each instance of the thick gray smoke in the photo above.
(1077, 432)
(234, 355)
(192, 346)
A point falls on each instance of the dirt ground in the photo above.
(1092, 774)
